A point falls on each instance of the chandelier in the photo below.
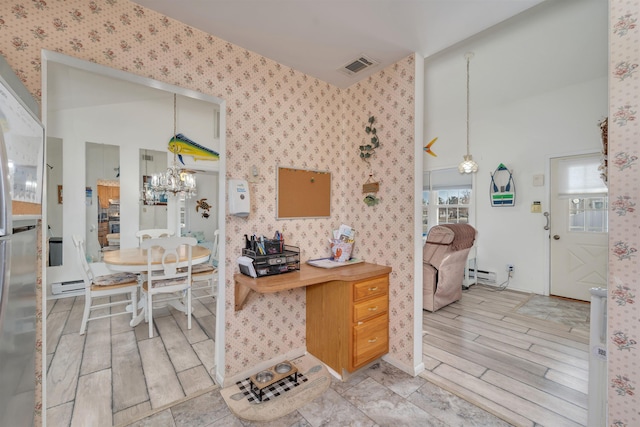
(175, 181)
(468, 165)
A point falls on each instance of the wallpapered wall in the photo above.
(274, 115)
(624, 226)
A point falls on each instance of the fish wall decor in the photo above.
(183, 146)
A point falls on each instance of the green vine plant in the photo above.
(366, 151)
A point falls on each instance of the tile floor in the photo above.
(380, 395)
(383, 395)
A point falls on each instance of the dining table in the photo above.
(134, 260)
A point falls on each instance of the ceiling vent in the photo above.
(354, 67)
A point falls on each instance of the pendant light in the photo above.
(175, 181)
(468, 165)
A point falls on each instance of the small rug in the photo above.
(281, 398)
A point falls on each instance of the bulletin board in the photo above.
(303, 193)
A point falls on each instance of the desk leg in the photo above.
(241, 294)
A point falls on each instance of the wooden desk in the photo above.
(306, 276)
(347, 319)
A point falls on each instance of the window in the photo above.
(588, 214)
(579, 181)
(453, 205)
(446, 198)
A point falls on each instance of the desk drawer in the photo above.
(369, 308)
(370, 340)
(369, 288)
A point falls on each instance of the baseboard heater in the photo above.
(482, 276)
(74, 287)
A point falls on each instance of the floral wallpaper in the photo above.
(624, 226)
(275, 115)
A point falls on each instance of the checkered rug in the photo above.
(275, 389)
(282, 397)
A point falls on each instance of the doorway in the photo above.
(578, 233)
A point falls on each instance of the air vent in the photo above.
(146, 157)
(360, 64)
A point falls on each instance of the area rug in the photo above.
(283, 397)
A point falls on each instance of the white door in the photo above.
(578, 227)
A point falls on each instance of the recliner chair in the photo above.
(444, 259)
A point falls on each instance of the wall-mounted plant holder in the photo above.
(503, 189)
(368, 150)
(371, 188)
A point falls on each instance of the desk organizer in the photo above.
(275, 263)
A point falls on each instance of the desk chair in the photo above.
(104, 286)
(167, 278)
(153, 233)
(205, 276)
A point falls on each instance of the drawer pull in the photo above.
(373, 340)
(373, 308)
(375, 288)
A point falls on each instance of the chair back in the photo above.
(153, 233)
(214, 252)
(169, 260)
(85, 270)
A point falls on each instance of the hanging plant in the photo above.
(368, 150)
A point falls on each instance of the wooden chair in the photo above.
(104, 286)
(205, 276)
(153, 233)
(166, 277)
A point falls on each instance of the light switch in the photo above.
(538, 180)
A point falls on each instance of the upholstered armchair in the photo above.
(444, 259)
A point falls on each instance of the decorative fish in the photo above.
(183, 146)
(427, 148)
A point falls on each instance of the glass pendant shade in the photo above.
(468, 165)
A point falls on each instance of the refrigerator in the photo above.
(21, 164)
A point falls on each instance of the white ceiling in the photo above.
(318, 37)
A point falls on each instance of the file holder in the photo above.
(276, 263)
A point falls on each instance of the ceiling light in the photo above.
(468, 165)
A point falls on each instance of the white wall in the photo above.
(538, 88)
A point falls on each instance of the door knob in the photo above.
(556, 237)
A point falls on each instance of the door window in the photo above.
(588, 214)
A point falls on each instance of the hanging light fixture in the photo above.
(468, 165)
(175, 181)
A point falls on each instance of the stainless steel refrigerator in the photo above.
(21, 164)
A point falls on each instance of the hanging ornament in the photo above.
(427, 147)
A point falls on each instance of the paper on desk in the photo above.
(329, 263)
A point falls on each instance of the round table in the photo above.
(134, 260)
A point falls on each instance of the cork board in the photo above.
(303, 193)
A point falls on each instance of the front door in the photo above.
(578, 230)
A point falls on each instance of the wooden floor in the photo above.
(520, 356)
(115, 373)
